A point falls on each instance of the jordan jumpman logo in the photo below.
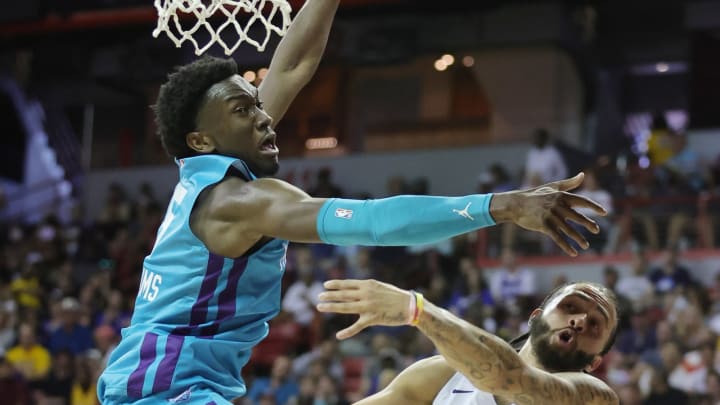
(464, 212)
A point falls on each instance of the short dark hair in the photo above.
(608, 293)
(180, 97)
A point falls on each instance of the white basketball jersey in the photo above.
(460, 391)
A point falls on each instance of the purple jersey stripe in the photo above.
(228, 298)
(166, 368)
(148, 353)
(199, 309)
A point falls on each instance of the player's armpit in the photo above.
(236, 214)
(537, 387)
(416, 385)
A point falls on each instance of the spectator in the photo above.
(115, 313)
(324, 187)
(544, 160)
(690, 375)
(26, 286)
(712, 381)
(105, 341)
(663, 394)
(117, 209)
(279, 385)
(29, 358)
(70, 335)
(624, 305)
(670, 274)
(629, 394)
(13, 389)
(640, 338)
(302, 296)
(636, 286)
(325, 353)
(512, 284)
(57, 386)
(327, 392)
(470, 288)
(83, 388)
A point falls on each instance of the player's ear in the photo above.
(534, 314)
(200, 142)
(595, 364)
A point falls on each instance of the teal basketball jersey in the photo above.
(197, 314)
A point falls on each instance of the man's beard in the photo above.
(551, 358)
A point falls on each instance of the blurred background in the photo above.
(412, 97)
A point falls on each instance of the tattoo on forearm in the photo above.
(493, 365)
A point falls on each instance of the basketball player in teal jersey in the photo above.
(569, 332)
(213, 278)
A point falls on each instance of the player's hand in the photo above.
(377, 303)
(547, 209)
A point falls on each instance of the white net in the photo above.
(274, 15)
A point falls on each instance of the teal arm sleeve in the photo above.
(402, 220)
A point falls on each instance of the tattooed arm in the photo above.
(490, 363)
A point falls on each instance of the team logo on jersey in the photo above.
(457, 391)
(184, 396)
(343, 213)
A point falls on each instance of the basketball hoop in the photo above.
(274, 15)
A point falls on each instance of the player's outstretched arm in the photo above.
(243, 212)
(490, 363)
(297, 56)
(416, 385)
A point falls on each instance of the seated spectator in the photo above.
(84, 390)
(326, 353)
(29, 358)
(663, 394)
(26, 286)
(512, 285)
(57, 386)
(690, 375)
(13, 389)
(712, 381)
(639, 339)
(470, 288)
(114, 314)
(636, 286)
(544, 160)
(670, 274)
(302, 296)
(279, 385)
(70, 335)
(324, 187)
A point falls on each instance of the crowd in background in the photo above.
(67, 290)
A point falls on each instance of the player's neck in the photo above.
(528, 355)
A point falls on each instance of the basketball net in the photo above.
(274, 15)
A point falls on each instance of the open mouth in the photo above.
(268, 145)
(566, 338)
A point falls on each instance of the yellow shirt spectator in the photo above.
(33, 363)
(80, 396)
(26, 290)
